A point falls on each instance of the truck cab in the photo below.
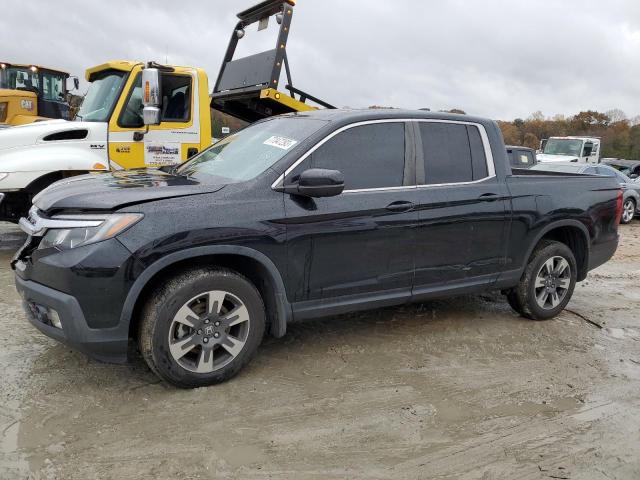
(138, 115)
(114, 101)
(108, 132)
(570, 149)
(30, 93)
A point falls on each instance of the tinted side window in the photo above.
(370, 156)
(532, 160)
(453, 153)
(606, 172)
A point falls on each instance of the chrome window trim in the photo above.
(415, 187)
(491, 169)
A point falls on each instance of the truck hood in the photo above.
(109, 191)
(546, 158)
(35, 133)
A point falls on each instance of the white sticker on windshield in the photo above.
(280, 142)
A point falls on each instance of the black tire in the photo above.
(523, 298)
(158, 323)
(630, 207)
(514, 302)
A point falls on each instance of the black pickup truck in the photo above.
(303, 216)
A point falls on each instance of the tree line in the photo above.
(620, 135)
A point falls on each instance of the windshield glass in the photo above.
(563, 146)
(53, 86)
(624, 169)
(15, 78)
(248, 153)
(101, 97)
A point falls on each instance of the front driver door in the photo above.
(171, 142)
(358, 244)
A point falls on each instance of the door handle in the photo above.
(488, 197)
(400, 206)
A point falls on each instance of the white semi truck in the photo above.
(570, 149)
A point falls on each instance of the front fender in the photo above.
(25, 165)
(284, 315)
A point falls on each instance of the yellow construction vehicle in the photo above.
(29, 93)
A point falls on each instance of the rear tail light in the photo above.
(619, 207)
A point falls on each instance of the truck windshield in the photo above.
(15, 78)
(248, 153)
(53, 86)
(102, 96)
(563, 146)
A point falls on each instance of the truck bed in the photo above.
(585, 202)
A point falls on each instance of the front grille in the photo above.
(24, 253)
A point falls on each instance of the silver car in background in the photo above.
(630, 188)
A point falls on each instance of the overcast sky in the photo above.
(497, 58)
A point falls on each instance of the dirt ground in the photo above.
(454, 389)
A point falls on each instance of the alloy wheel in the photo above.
(628, 211)
(552, 282)
(209, 331)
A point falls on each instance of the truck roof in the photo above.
(29, 65)
(342, 114)
(123, 66)
(519, 147)
(575, 137)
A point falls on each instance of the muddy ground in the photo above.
(454, 389)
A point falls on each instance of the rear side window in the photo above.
(606, 172)
(453, 153)
(369, 156)
(520, 158)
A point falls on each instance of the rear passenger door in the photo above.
(462, 207)
(359, 242)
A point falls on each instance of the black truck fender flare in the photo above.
(283, 307)
(559, 224)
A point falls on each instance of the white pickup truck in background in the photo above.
(570, 149)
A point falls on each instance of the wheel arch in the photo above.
(254, 265)
(572, 233)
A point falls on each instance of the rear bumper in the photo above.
(104, 344)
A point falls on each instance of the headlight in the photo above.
(3, 176)
(91, 229)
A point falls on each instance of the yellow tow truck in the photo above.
(30, 93)
(138, 115)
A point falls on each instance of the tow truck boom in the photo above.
(247, 88)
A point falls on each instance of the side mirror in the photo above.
(76, 83)
(317, 183)
(151, 96)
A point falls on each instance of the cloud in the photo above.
(497, 58)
